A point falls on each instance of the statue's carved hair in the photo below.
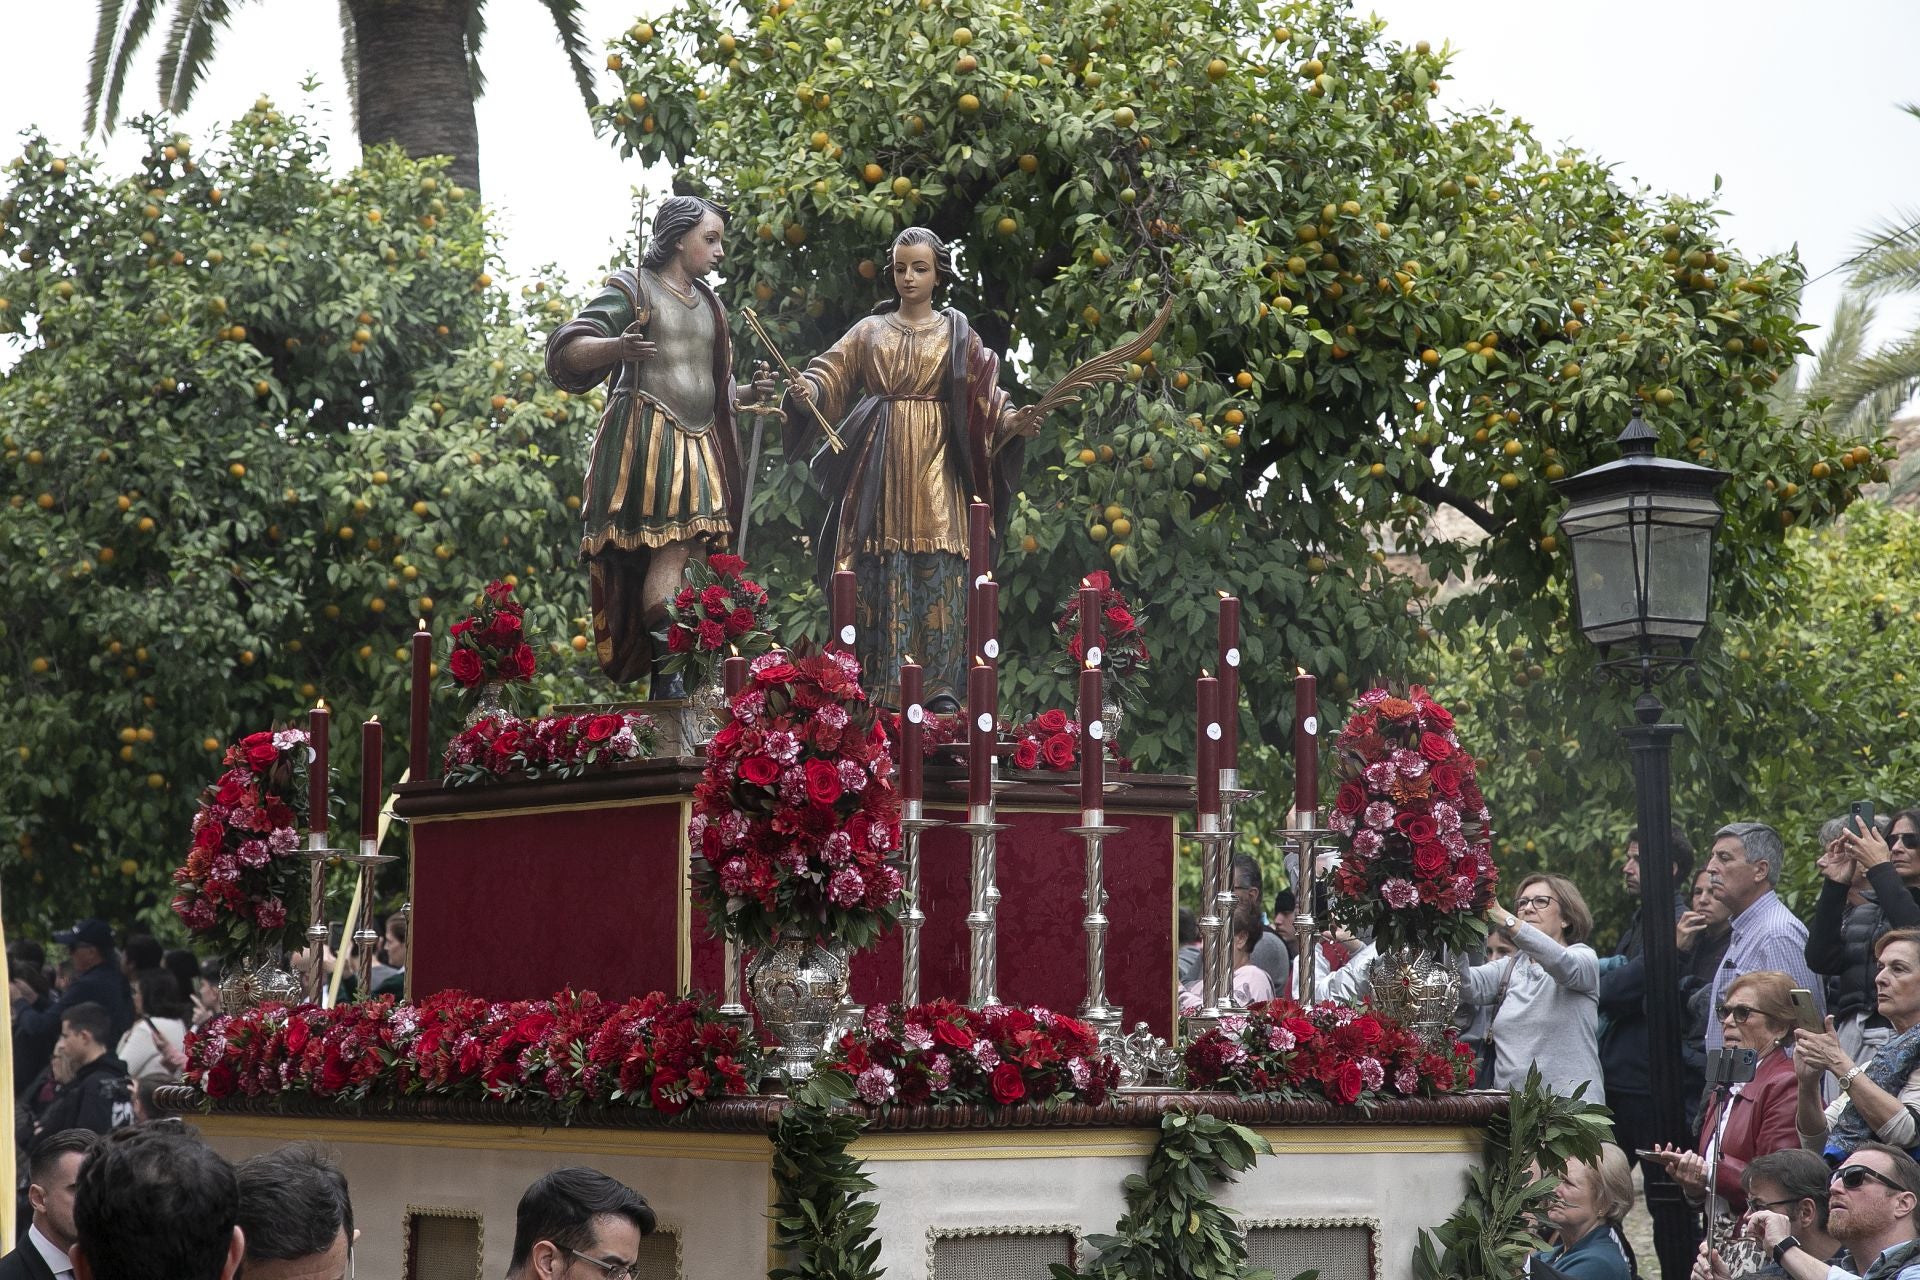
(944, 270)
(671, 222)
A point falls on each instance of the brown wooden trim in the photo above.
(760, 1114)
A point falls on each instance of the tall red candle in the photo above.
(1206, 694)
(982, 706)
(1090, 643)
(913, 727)
(840, 611)
(733, 675)
(1229, 681)
(420, 723)
(986, 599)
(370, 787)
(318, 787)
(1093, 741)
(979, 562)
(1306, 742)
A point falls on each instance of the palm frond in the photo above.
(1891, 374)
(115, 41)
(1843, 343)
(1888, 259)
(183, 65)
(476, 35)
(350, 60)
(573, 38)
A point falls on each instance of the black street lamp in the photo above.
(1640, 531)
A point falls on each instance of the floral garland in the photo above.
(241, 882)
(490, 644)
(1049, 742)
(504, 747)
(720, 607)
(1418, 869)
(1124, 648)
(796, 819)
(568, 1051)
(947, 1053)
(1331, 1051)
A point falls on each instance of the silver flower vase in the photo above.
(706, 708)
(253, 981)
(1418, 990)
(490, 700)
(797, 985)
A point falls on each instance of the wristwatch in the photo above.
(1846, 1081)
(1510, 924)
(1779, 1250)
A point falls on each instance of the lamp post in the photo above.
(1640, 531)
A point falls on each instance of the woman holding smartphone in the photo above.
(1879, 1098)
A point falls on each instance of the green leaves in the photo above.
(823, 1221)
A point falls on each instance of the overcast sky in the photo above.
(1797, 114)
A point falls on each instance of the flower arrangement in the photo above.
(500, 748)
(1125, 657)
(1418, 867)
(241, 883)
(1332, 1051)
(490, 644)
(719, 607)
(1051, 742)
(571, 1050)
(945, 1052)
(795, 819)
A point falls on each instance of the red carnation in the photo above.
(1026, 754)
(1435, 747)
(759, 770)
(1058, 751)
(823, 782)
(725, 565)
(684, 600)
(739, 622)
(1352, 798)
(1008, 1087)
(712, 634)
(714, 600)
(679, 639)
(465, 667)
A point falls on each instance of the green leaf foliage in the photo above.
(1381, 311)
(1489, 1236)
(1173, 1228)
(260, 421)
(822, 1217)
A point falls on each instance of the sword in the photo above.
(1108, 366)
(786, 371)
(760, 412)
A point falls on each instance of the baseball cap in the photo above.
(91, 933)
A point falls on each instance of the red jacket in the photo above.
(1762, 1122)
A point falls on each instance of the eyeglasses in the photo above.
(1738, 1012)
(1538, 900)
(612, 1270)
(1854, 1176)
(1911, 839)
(1775, 1204)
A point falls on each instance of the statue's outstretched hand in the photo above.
(1026, 421)
(637, 346)
(800, 389)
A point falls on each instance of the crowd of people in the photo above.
(154, 1202)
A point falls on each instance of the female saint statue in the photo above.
(927, 430)
(663, 473)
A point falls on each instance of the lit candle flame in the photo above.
(321, 705)
(908, 661)
(1205, 674)
(1299, 671)
(1223, 595)
(421, 624)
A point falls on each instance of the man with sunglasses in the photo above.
(1870, 1209)
(579, 1224)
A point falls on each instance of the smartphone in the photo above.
(1806, 1012)
(1860, 816)
(1644, 1154)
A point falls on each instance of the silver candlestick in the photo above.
(366, 938)
(983, 919)
(913, 822)
(318, 856)
(1216, 927)
(1231, 796)
(730, 1006)
(1308, 843)
(1094, 1010)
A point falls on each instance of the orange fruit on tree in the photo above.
(1006, 226)
(1243, 380)
(1029, 163)
(872, 173)
(968, 104)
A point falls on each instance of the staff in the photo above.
(786, 371)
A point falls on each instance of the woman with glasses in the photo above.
(1864, 893)
(1548, 994)
(1752, 1119)
(1880, 1097)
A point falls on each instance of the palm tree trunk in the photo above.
(413, 84)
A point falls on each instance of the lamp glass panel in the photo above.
(1606, 568)
(1680, 559)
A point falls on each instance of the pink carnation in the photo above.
(1398, 893)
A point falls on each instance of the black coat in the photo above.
(24, 1263)
(99, 1097)
(36, 1030)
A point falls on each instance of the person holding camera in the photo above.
(1866, 890)
(1880, 1097)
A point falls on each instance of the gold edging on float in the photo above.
(643, 1144)
(536, 810)
(1052, 1144)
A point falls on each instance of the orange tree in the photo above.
(260, 420)
(1380, 310)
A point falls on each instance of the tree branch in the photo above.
(1435, 494)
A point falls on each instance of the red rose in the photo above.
(1435, 747)
(1352, 798)
(1429, 858)
(725, 565)
(503, 630)
(1098, 580)
(1058, 751)
(1438, 714)
(778, 673)
(1008, 1087)
(1446, 780)
(1367, 1030)
(220, 1082)
(1417, 827)
(823, 783)
(679, 639)
(1119, 621)
(1343, 1087)
(600, 728)
(498, 591)
(1054, 721)
(261, 755)
(952, 1035)
(465, 667)
(739, 622)
(1026, 754)
(523, 663)
(461, 627)
(759, 770)
(712, 635)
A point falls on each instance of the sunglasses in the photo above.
(1538, 900)
(1738, 1012)
(1911, 839)
(1854, 1176)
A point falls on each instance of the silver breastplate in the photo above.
(679, 378)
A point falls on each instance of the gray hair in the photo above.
(1830, 829)
(1758, 843)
